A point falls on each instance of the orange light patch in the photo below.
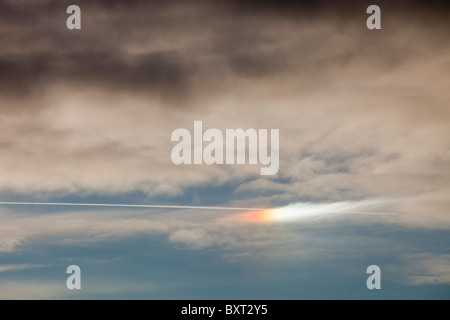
(261, 215)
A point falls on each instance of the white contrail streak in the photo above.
(124, 205)
(300, 211)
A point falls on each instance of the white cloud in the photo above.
(197, 238)
(18, 267)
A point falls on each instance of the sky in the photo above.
(86, 116)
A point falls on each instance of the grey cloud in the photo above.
(361, 114)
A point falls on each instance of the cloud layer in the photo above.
(362, 114)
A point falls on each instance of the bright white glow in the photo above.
(299, 211)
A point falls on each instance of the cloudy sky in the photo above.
(86, 116)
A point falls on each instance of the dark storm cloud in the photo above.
(157, 71)
(169, 48)
(38, 50)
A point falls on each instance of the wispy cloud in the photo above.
(427, 268)
(18, 267)
(35, 289)
(22, 289)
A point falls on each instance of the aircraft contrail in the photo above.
(125, 205)
(289, 212)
